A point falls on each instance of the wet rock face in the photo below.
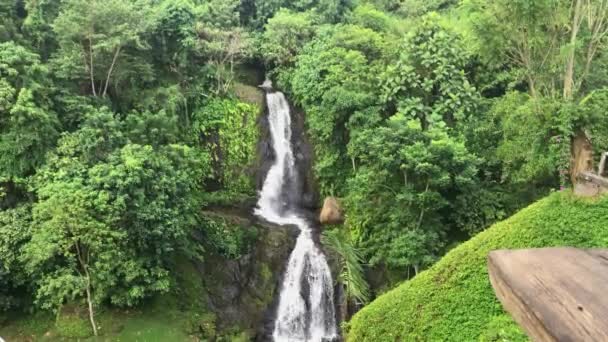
(304, 158)
(241, 292)
(264, 149)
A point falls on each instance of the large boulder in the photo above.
(332, 212)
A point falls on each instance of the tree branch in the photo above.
(91, 72)
(105, 88)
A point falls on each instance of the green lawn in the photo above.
(114, 326)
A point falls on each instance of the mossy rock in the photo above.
(249, 94)
(207, 326)
(265, 290)
(454, 300)
(240, 281)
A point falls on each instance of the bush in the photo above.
(454, 300)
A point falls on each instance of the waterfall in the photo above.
(306, 308)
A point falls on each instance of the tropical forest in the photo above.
(291, 170)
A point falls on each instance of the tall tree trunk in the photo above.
(569, 72)
(423, 209)
(532, 86)
(84, 264)
(581, 150)
(105, 88)
(597, 19)
(91, 71)
(90, 303)
(343, 300)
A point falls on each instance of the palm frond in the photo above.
(351, 264)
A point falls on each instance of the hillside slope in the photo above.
(454, 301)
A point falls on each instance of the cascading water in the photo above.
(306, 308)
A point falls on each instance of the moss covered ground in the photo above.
(454, 300)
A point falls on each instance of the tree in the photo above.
(331, 81)
(220, 13)
(331, 11)
(265, 9)
(418, 8)
(284, 35)
(410, 154)
(221, 42)
(223, 50)
(28, 126)
(112, 209)
(29, 133)
(154, 193)
(368, 16)
(402, 185)
(15, 231)
(554, 45)
(428, 82)
(71, 251)
(173, 40)
(9, 20)
(365, 40)
(93, 35)
(323, 11)
(37, 26)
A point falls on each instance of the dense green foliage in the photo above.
(434, 121)
(454, 301)
(118, 123)
(430, 119)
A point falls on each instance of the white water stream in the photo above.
(306, 310)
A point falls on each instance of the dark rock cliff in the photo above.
(241, 292)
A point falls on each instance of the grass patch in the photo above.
(114, 325)
(21, 327)
(454, 300)
(72, 322)
(145, 328)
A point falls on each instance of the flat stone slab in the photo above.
(590, 184)
(554, 294)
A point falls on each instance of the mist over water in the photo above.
(306, 309)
